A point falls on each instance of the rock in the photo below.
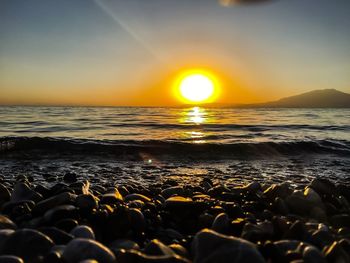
(27, 244)
(137, 219)
(336, 253)
(126, 244)
(112, 198)
(58, 236)
(221, 223)
(322, 238)
(157, 248)
(4, 234)
(66, 224)
(133, 197)
(10, 259)
(323, 186)
(86, 202)
(253, 187)
(4, 194)
(257, 232)
(179, 250)
(22, 191)
(82, 249)
(6, 223)
(304, 203)
(278, 190)
(133, 256)
(297, 231)
(178, 201)
(57, 200)
(339, 221)
(70, 177)
(61, 212)
(173, 191)
(313, 255)
(83, 232)
(211, 247)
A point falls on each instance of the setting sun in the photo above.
(197, 87)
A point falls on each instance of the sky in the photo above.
(129, 52)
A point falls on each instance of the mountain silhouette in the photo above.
(327, 98)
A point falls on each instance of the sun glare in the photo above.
(196, 87)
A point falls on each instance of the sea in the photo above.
(233, 142)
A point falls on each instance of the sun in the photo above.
(197, 87)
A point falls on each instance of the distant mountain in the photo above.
(327, 98)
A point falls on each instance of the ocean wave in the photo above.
(175, 148)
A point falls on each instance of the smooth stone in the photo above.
(178, 201)
(133, 197)
(296, 231)
(304, 203)
(136, 204)
(171, 191)
(252, 187)
(58, 236)
(4, 234)
(27, 244)
(61, 212)
(123, 244)
(4, 194)
(339, 221)
(70, 177)
(286, 244)
(221, 223)
(112, 198)
(83, 232)
(10, 259)
(157, 248)
(137, 219)
(89, 261)
(336, 253)
(313, 255)
(211, 247)
(86, 202)
(323, 186)
(278, 190)
(66, 224)
(134, 256)
(81, 249)
(57, 200)
(22, 191)
(6, 223)
(179, 250)
(256, 232)
(322, 238)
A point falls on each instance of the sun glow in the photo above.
(197, 87)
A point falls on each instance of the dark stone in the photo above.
(58, 236)
(157, 248)
(66, 224)
(4, 194)
(61, 212)
(57, 200)
(313, 255)
(82, 249)
(137, 219)
(83, 232)
(340, 221)
(86, 202)
(322, 238)
(221, 224)
(70, 177)
(211, 247)
(22, 191)
(323, 186)
(27, 244)
(336, 253)
(6, 223)
(133, 197)
(10, 259)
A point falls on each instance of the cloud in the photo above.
(231, 2)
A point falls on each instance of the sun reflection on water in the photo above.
(196, 116)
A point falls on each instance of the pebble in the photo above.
(133, 197)
(81, 249)
(57, 200)
(27, 244)
(22, 191)
(212, 247)
(10, 259)
(6, 223)
(83, 232)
